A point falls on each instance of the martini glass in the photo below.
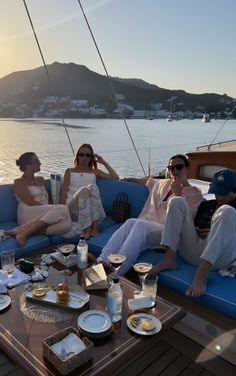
(116, 260)
(66, 250)
(142, 268)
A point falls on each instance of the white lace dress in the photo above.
(83, 200)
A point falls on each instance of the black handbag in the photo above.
(121, 207)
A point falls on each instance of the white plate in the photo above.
(139, 330)
(5, 300)
(94, 321)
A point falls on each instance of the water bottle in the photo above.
(82, 253)
(114, 301)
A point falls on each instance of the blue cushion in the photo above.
(33, 244)
(8, 203)
(96, 243)
(220, 293)
(109, 189)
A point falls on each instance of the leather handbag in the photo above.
(121, 208)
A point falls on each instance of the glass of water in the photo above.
(8, 262)
(149, 286)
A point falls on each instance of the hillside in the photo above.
(78, 82)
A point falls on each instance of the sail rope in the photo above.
(221, 128)
(111, 85)
(49, 77)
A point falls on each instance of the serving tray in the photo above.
(78, 297)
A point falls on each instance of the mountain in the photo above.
(77, 81)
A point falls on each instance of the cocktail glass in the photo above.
(66, 250)
(142, 268)
(116, 260)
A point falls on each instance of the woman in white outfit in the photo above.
(34, 213)
(210, 248)
(137, 234)
(80, 192)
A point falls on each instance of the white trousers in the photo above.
(219, 248)
(130, 239)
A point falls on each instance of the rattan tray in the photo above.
(66, 366)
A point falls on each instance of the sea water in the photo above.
(155, 139)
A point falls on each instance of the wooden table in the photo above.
(21, 338)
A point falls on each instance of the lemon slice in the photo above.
(147, 324)
(39, 292)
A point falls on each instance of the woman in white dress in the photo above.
(34, 213)
(80, 192)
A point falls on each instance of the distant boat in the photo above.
(206, 118)
(169, 118)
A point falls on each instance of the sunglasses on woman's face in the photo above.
(177, 167)
(87, 155)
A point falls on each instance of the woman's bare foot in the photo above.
(199, 284)
(21, 238)
(168, 262)
(12, 232)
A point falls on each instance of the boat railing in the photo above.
(215, 145)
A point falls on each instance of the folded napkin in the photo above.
(68, 346)
(140, 302)
(17, 279)
(3, 289)
(229, 271)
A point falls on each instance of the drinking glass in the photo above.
(149, 285)
(66, 250)
(116, 260)
(8, 262)
(142, 268)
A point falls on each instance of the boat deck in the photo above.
(175, 355)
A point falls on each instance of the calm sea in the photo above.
(108, 138)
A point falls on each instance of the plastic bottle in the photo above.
(82, 253)
(114, 301)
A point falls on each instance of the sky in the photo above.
(175, 44)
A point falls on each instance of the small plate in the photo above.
(5, 300)
(94, 321)
(139, 330)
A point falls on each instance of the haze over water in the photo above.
(108, 137)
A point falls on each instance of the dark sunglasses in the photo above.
(177, 167)
(87, 155)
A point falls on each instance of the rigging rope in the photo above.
(111, 85)
(48, 76)
(209, 146)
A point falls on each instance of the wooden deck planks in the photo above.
(7, 368)
(205, 358)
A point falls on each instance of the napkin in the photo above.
(68, 346)
(138, 303)
(17, 279)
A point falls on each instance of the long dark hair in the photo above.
(183, 157)
(24, 159)
(92, 163)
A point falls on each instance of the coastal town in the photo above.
(68, 107)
